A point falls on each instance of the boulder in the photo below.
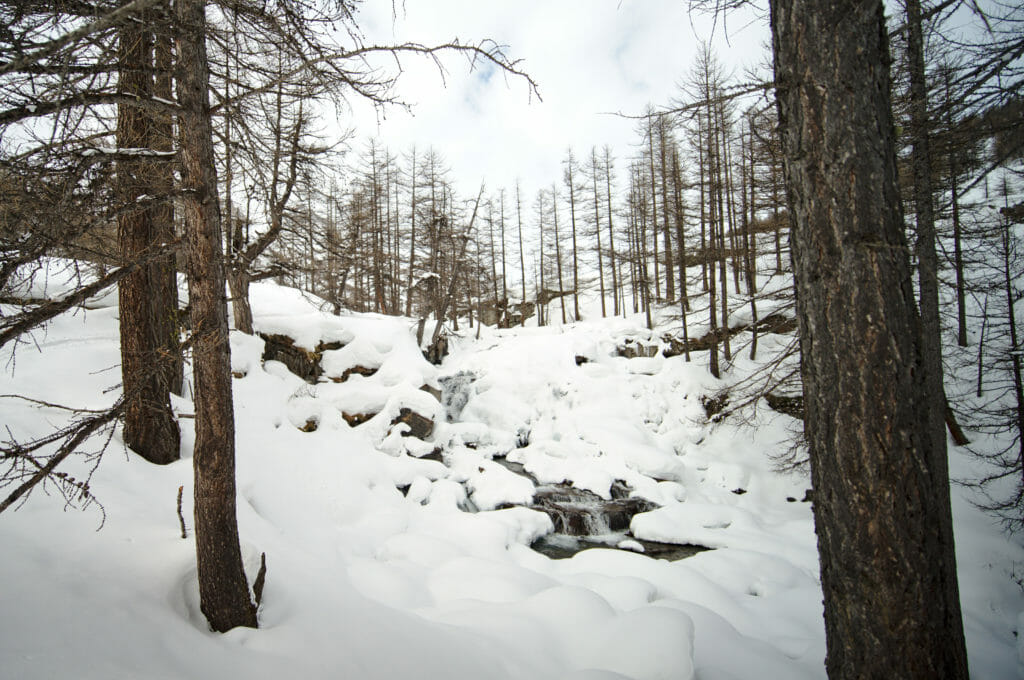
(302, 362)
(420, 426)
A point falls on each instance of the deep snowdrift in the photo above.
(365, 581)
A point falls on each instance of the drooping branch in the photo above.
(40, 315)
(73, 435)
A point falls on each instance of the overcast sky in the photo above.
(590, 59)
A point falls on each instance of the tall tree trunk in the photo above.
(711, 257)
(558, 250)
(924, 213)
(165, 270)
(597, 229)
(223, 590)
(412, 236)
(701, 167)
(570, 183)
(522, 255)
(881, 508)
(684, 295)
(1011, 318)
(670, 283)
(145, 306)
(611, 230)
(654, 209)
(541, 306)
(748, 240)
(721, 157)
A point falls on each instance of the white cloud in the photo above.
(590, 60)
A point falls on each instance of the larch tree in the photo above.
(223, 589)
(147, 305)
(884, 525)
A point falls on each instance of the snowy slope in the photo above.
(365, 581)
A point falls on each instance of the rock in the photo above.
(619, 490)
(790, 405)
(419, 426)
(632, 349)
(432, 391)
(355, 370)
(580, 360)
(437, 350)
(578, 512)
(518, 312)
(713, 406)
(436, 454)
(354, 419)
(299, 360)
(310, 425)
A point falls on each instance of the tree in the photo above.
(150, 356)
(570, 184)
(884, 531)
(223, 589)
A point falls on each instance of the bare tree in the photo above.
(223, 589)
(884, 533)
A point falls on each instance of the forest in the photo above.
(820, 254)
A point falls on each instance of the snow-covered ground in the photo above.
(384, 564)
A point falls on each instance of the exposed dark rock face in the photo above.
(577, 512)
(300, 361)
(713, 406)
(354, 419)
(419, 426)
(354, 370)
(791, 405)
(432, 391)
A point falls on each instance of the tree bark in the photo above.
(165, 269)
(881, 507)
(597, 230)
(149, 426)
(223, 589)
(611, 230)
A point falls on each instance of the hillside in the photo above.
(396, 556)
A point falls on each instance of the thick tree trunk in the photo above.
(223, 590)
(144, 307)
(238, 284)
(881, 508)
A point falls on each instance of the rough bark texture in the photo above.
(223, 590)
(238, 281)
(883, 522)
(149, 426)
(165, 271)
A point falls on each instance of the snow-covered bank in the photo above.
(367, 581)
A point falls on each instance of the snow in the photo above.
(437, 582)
